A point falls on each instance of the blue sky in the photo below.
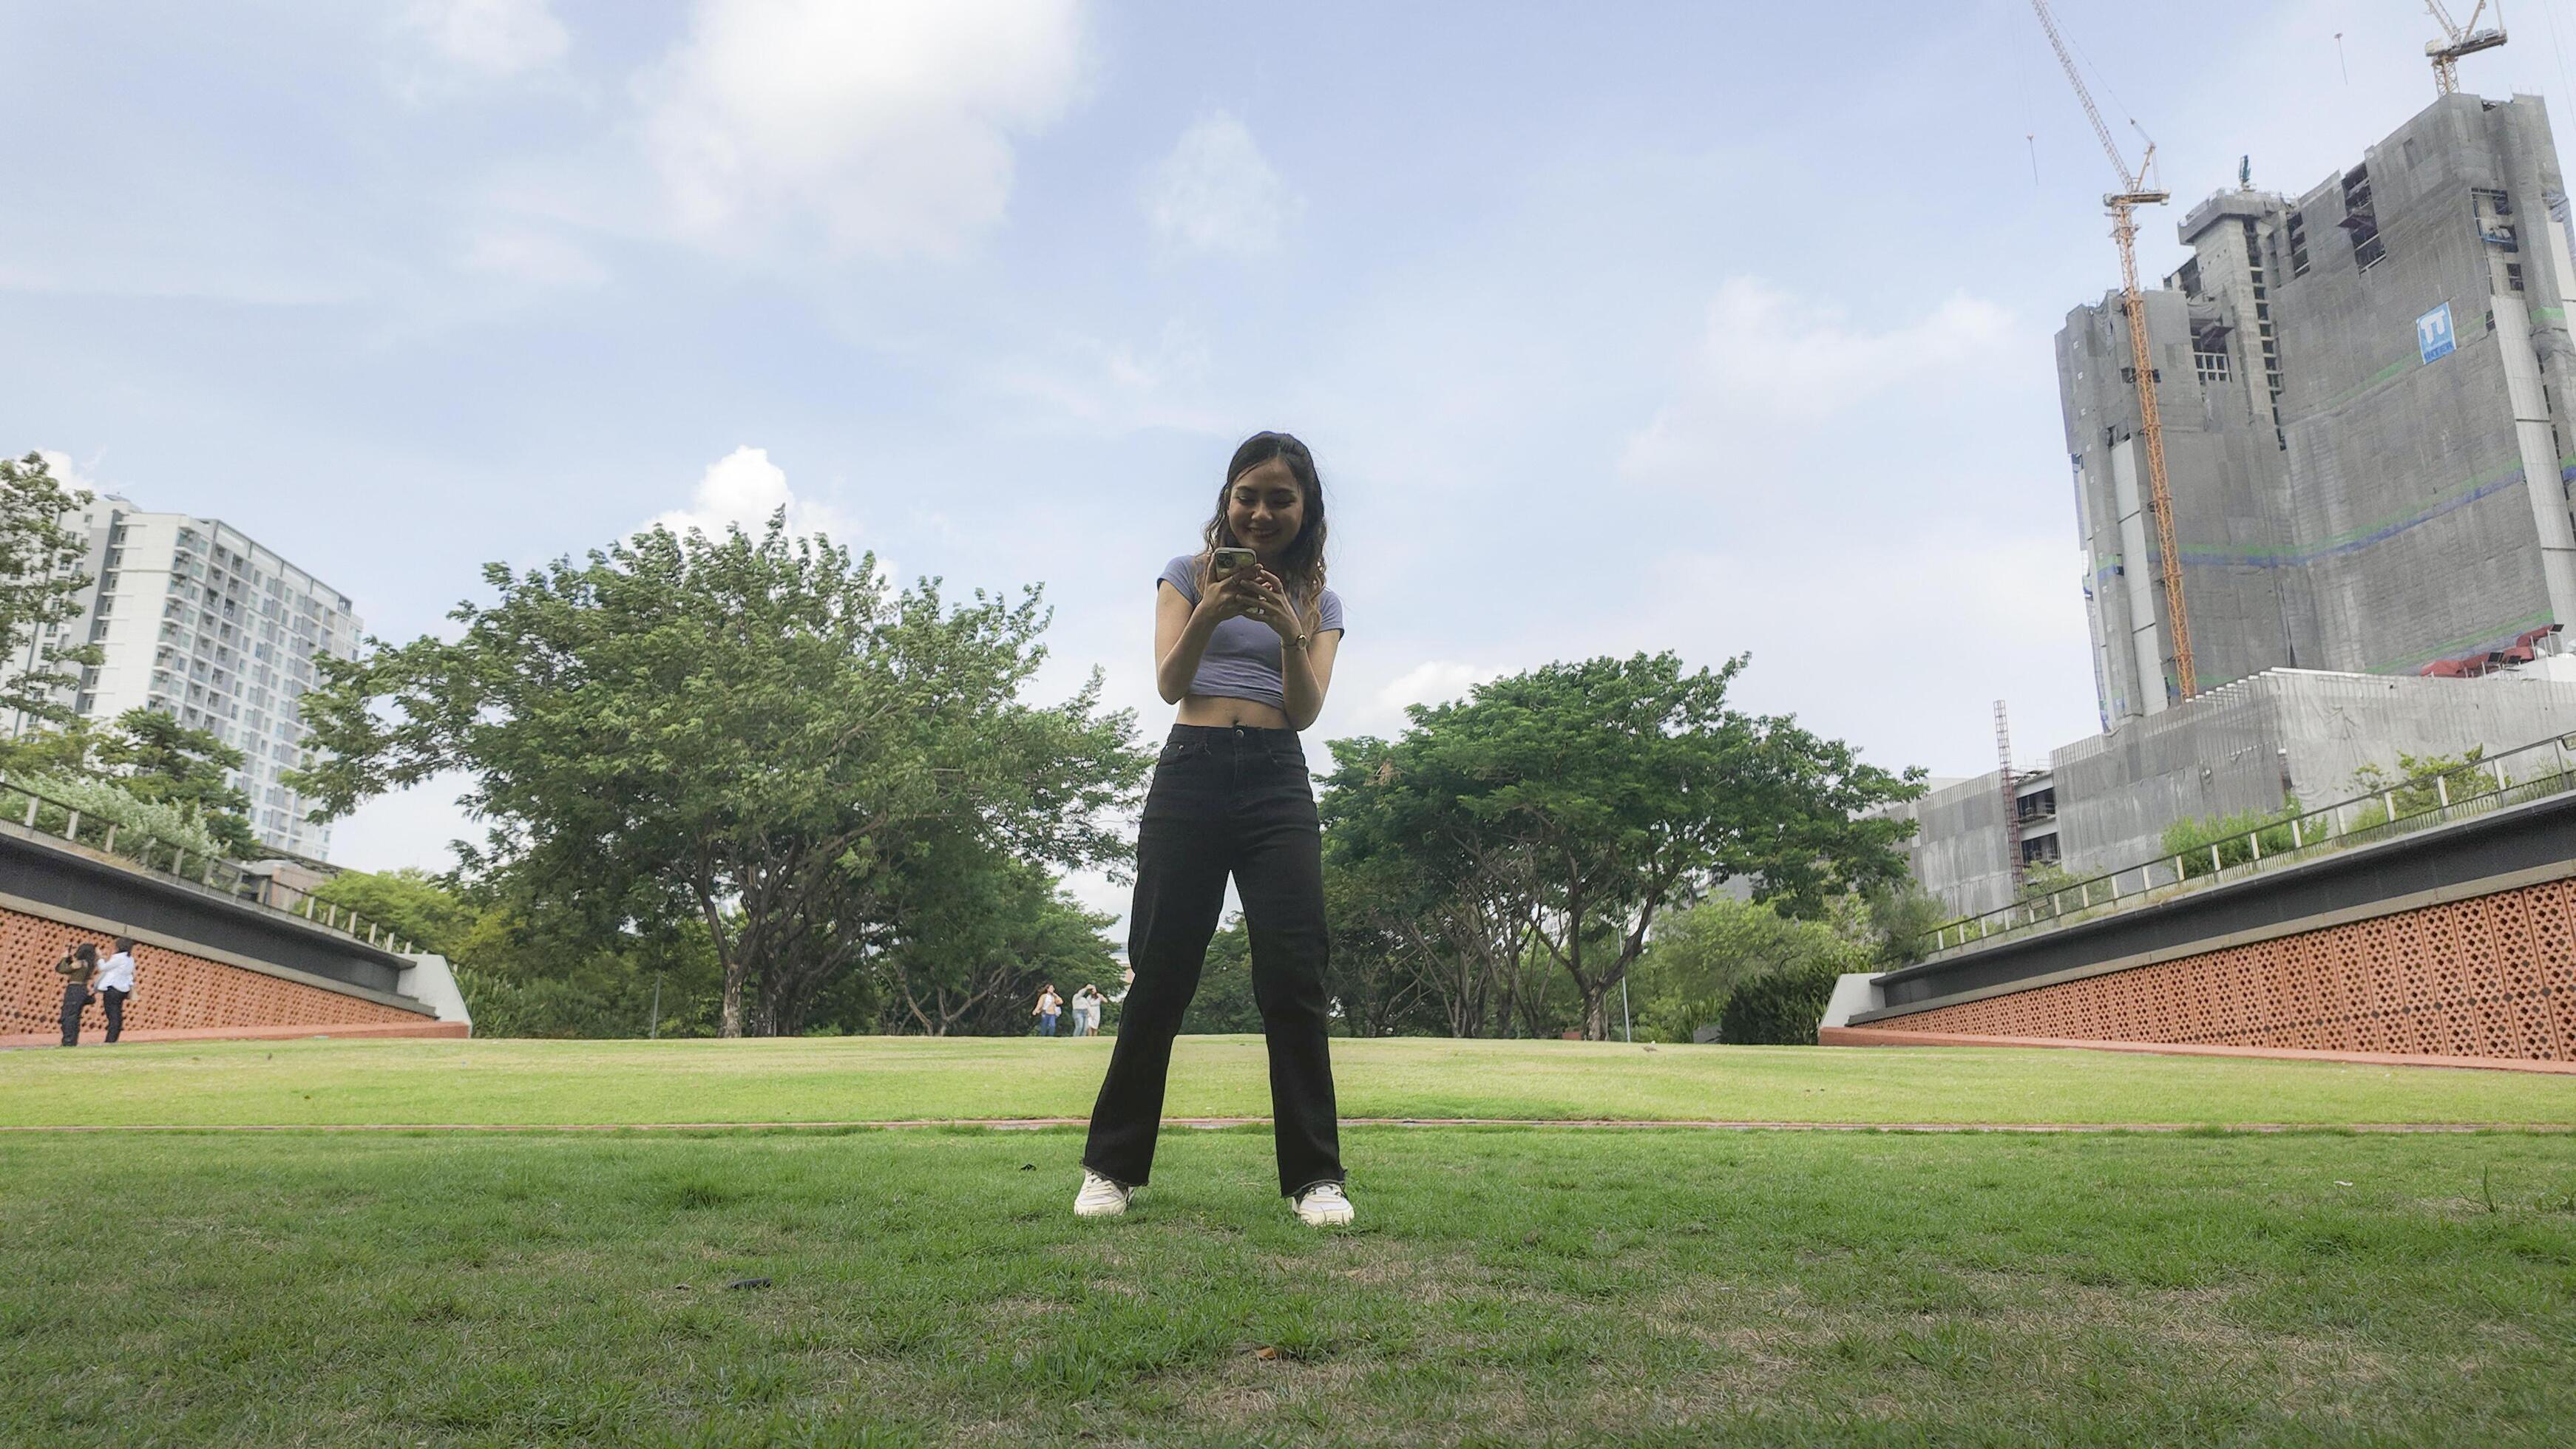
(1692, 326)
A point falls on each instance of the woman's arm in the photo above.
(1305, 660)
(1305, 674)
(1182, 630)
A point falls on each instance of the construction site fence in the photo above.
(2418, 802)
(43, 814)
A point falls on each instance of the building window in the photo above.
(2361, 220)
(2513, 275)
(2210, 366)
(2298, 244)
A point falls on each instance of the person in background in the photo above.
(1086, 1010)
(1050, 1006)
(78, 966)
(115, 984)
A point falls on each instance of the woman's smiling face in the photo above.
(1265, 508)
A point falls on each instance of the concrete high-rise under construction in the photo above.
(2368, 395)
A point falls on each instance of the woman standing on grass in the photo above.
(1244, 638)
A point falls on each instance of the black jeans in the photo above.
(75, 999)
(1225, 801)
(112, 1001)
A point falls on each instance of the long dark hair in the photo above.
(1301, 563)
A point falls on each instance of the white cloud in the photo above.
(742, 489)
(68, 473)
(535, 257)
(1434, 681)
(1216, 192)
(889, 125)
(1114, 386)
(494, 37)
(1770, 365)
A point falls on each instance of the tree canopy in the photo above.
(40, 586)
(753, 732)
(1555, 814)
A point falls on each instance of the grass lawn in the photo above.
(890, 1078)
(1506, 1286)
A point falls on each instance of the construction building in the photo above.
(199, 622)
(2366, 401)
(2365, 394)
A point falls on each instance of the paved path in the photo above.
(1028, 1124)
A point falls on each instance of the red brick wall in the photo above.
(2493, 976)
(171, 989)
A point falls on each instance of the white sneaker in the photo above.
(1324, 1206)
(1100, 1198)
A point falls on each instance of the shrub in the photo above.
(2191, 839)
(1782, 1007)
(101, 803)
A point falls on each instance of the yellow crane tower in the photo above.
(2464, 40)
(2133, 193)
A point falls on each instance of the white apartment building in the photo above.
(198, 621)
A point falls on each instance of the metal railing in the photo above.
(43, 814)
(2420, 802)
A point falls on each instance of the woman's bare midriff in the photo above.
(1218, 711)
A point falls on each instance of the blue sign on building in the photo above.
(2433, 333)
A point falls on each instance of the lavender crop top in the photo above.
(1242, 658)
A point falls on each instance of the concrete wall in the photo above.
(2454, 942)
(2251, 745)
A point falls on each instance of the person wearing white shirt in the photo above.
(115, 983)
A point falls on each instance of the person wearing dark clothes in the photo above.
(115, 984)
(78, 966)
(1245, 635)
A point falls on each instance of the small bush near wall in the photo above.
(1781, 1008)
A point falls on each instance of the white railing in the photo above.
(42, 814)
(2531, 772)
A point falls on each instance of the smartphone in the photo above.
(1228, 560)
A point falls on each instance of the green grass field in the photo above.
(896, 1078)
(1505, 1286)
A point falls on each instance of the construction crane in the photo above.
(2464, 40)
(2134, 192)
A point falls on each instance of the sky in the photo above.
(1716, 328)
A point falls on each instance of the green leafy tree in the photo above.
(1898, 920)
(411, 902)
(1225, 1000)
(152, 756)
(973, 936)
(753, 732)
(1702, 958)
(40, 586)
(1416, 882)
(1610, 789)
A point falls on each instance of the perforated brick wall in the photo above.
(2493, 976)
(171, 989)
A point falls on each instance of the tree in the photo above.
(1224, 1001)
(973, 937)
(40, 586)
(1702, 960)
(751, 732)
(1430, 886)
(1898, 920)
(152, 756)
(1605, 791)
(412, 903)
